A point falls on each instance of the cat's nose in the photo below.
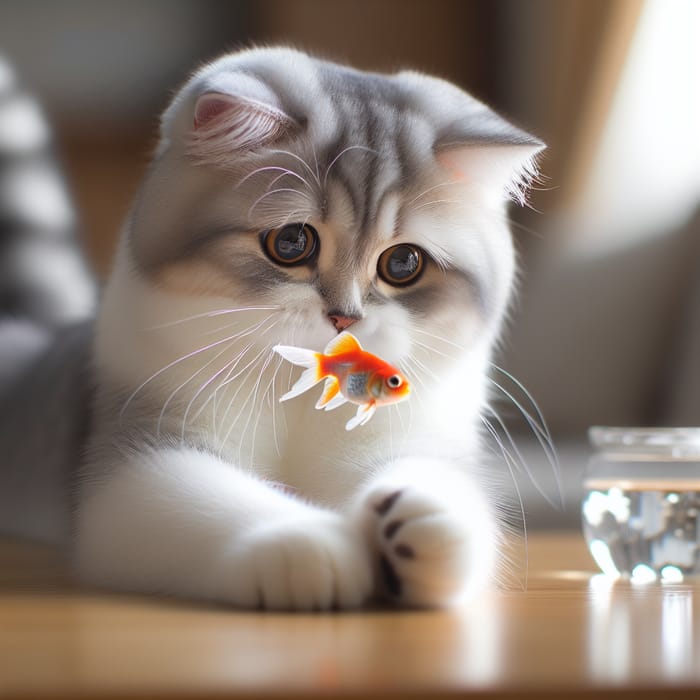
(342, 322)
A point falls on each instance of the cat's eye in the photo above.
(401, 265)
(292, 244)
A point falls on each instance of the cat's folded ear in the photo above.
(471, 141)
(486, 150)
(226, 125)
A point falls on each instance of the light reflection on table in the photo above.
(641, 631)
(569, 631)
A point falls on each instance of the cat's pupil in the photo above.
(292, 244)
(401, 264)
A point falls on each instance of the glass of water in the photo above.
(641, 502)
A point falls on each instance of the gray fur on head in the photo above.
(389, 129)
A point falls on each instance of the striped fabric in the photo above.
(43, 274)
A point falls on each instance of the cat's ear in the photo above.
(490, 152)
(224, 125)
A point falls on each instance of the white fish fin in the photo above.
(344, 342)
(329, 392)
(298, 356)
(364, 413)
(309, 378)
(337, 400)
(369, 413)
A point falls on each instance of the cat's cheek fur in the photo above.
(431, 531)
(182, 522)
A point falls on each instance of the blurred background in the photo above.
(606, 329)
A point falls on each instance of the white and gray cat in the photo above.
(289, 198)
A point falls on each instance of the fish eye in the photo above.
(290, 245)
(401, 265)
(394, 382)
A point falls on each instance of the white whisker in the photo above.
(431, 189)
(318, 172)
(214, 396)
(510, 462)
(516, 224)
(231, 424)
(391, 434)
(230, 366)
(413, 373)
(548, 450)
(315, 175)
(228, 379)
(204, 386)
(423, 368)
(276, 191)
(287, 387)
(529, 397)
(233, 338)
(343, 152)
(518, 460)
(273, 407)
(175, 391)
(248, 369)
(209, 314)
(434, 202)
(430, 348)
(440, 338)
(292, 216)
(175, 362)
(245, 332)
(256, 421)
(284, 172)
(398, 412)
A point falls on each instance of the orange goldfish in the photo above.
(351, 374)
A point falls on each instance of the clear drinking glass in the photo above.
(642, 501)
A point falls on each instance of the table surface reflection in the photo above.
(569, 631)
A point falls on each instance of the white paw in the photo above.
(314, 563)
(429, 552)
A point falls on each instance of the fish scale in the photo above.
(356, 386)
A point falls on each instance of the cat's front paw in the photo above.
(429, 550)
(313, 563)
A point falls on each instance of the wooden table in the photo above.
(570, 634)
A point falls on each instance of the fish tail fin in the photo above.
(309, 378)
(298, 356)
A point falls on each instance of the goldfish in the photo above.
(352, 375)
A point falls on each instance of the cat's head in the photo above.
(339, 199)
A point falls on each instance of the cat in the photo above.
(289, 199)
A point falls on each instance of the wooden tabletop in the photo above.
(570, 634)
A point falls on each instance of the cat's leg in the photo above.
(183, 522)
(431, 531)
